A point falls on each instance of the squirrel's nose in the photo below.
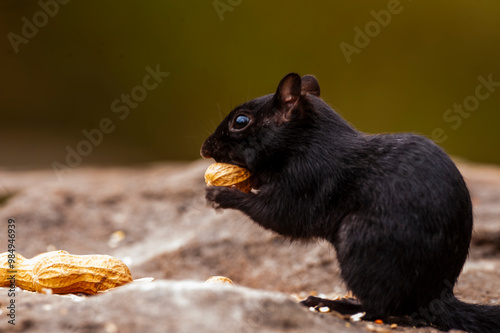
(204, 153)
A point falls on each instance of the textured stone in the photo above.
(155, 219)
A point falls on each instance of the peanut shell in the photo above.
(224, 174)
(219, 280)
(64, 273)
(22, 271)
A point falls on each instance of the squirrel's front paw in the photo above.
(221, 197)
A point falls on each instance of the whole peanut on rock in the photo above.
(64, 273)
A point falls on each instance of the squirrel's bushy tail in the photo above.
(473, 318)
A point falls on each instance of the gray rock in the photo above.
(170, 306)
(170, 234)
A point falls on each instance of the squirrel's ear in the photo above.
(310, 85)
(289, 88)
(288, 93)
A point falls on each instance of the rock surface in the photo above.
(155, 219)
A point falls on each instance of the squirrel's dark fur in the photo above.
(394, 206)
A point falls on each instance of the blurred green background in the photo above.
(81, 56)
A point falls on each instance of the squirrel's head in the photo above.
(262, 130)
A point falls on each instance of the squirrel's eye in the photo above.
(241, 122)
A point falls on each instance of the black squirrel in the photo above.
(394, 206)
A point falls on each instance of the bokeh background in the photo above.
(84, 55)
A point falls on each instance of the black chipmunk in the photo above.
(394, 206)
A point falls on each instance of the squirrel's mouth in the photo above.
(251, 180)
(241, 165)
(234, 161)
(207, 152)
